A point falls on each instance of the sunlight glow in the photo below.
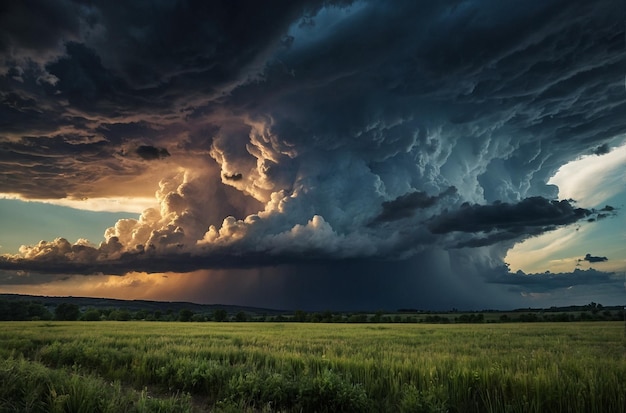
(118, 204)
(592, 180)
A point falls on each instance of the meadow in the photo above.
(138, 366)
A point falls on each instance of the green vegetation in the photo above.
(296, 367)
(21, 308)
(31, 387)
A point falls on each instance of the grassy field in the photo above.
(230, 367)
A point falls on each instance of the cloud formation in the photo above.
(591, 258)
(306, 132)
(503, 221)
(151, 153)
(405, 205)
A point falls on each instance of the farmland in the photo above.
(171, 367)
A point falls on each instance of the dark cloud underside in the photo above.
(592, 258)
(151, 153)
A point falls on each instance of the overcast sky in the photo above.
(315, 154)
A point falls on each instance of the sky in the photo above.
(342, 155)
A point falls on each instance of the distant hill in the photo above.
(137, 305)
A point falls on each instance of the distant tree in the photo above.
(91, 315)
(140, 315)
(528, 318)
(300, 316)
(357, 318)
(220, 315)
(198, 318)
(18, 311)
(67, 312)
(326, 316)
(185, 315)
(37, 311)
(4, 310)
(120, 315)
(124, 315)
(338, 318)
(241, 316)
(377, 317)
(595, 307)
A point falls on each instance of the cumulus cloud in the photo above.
(311, 131)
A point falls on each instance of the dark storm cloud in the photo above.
(133, 56)
(233, 177)
(92, 66)
(592, 258)
(605, 212)
(534, 212)
(48, 159)
(405, 205)
(87, 84)
(349, 284)
(151, 153)
(36, 26)
(545, 282)
(306, 130)
(602, 149)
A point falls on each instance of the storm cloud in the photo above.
(592, 258)
(151, 153)
(503, 221)
(306, 131)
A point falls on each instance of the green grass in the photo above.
(138, 366)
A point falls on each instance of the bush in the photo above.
(329, 392)
(421, 401)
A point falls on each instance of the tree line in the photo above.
(23, 310)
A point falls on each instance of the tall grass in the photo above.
(548, 367)
(27, 386)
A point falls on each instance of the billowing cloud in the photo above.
(305, 131)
